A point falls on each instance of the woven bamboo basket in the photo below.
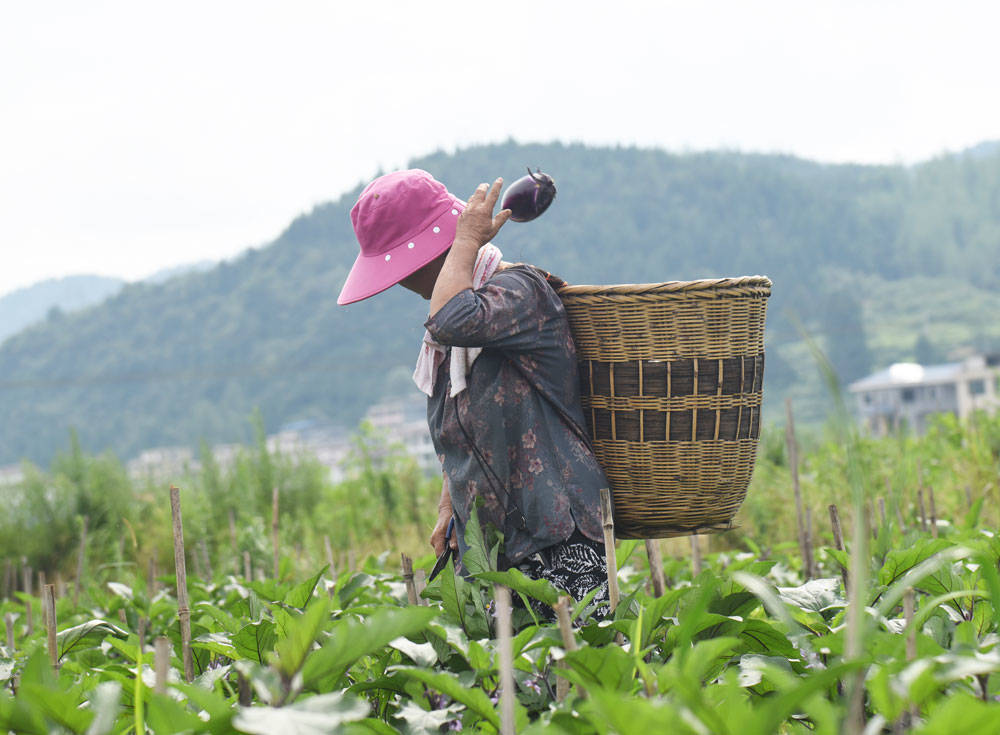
(671, 378)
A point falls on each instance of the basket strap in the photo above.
(581, 433)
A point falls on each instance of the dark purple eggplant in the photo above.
(529, 196)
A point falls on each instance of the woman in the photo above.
(498, 365)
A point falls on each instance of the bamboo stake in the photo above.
(920, 509)
(151, 576)
(838, 538)
(60, 586)
(810, 563)
(8, 579)
(609, 548)
(565, 624)
(793, 466)
(206, 562)
(244, 693)
(420, 580)
(504, 636)
(655, 557)
(838, 534)
(274, 528)
(247, 567)
(50, 624)
(199, 573)
(183, 611)
(8, 621)
(329, 557)
(27, 574)
(41, 580)
(933, 518)
(232, 542)
(80, 562)
(161, 663)
(411, 589)
(695, 555)
(569, 642)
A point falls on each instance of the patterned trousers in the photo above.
(577, 565)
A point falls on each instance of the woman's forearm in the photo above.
(476, 226)
(456, 273)
(444, 504)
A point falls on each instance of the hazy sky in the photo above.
(135, 136)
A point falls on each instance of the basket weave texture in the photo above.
(671, 378)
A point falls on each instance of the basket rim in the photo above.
(759, 284)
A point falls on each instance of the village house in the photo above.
(905, 395)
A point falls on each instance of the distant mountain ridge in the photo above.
(25, 306)
(190, 358)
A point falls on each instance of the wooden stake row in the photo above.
(180, 565)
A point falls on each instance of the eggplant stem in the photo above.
(533, 177)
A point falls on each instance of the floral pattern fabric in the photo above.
(504, 441)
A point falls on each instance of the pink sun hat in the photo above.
(403, 221)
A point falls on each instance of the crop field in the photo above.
(895, 632)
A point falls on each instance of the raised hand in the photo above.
(477, 224)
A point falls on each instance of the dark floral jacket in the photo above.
(506, 439)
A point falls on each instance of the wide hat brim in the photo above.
(371, 275)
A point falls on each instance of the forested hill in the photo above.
(191, 358)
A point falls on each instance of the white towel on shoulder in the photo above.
(432, 354)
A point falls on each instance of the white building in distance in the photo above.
(404, 422)
(906, 394)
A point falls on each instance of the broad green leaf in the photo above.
(323, 714)
(816, 595)
(706, 657)
(227, 622)
(473, 698)
(292, 649)
(122, 590)
(300, 595)
(451, 588)
(540, 589)
(350, 639)
(961, 713)
(215, 705)
(476, 558)
(632, 715)
(760, 636)
(58, 706)
(420, 721)
(166, 715)
(422, 654)
(369, 726)
(86, 635)
(218, 643)
(753, 665)
(899, 561)
(255, 641)
(105, 705)
(608, 668)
